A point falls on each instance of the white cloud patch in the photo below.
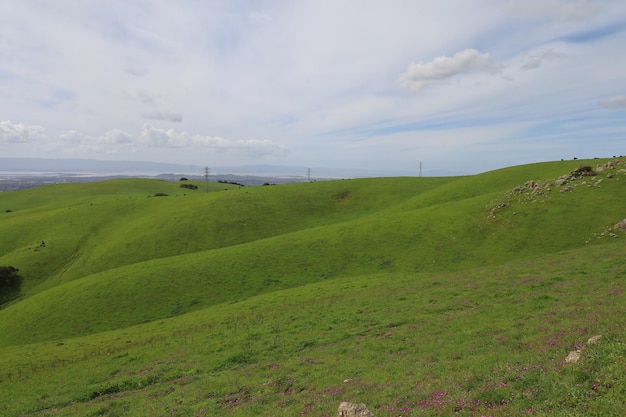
(442, 68)
(115, 137)
(168, 116)
(107, 143)
(20, 133)
(616, 102)
(171, 138)
(71, 137)
(534, 61)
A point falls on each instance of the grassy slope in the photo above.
(245, 242)
(111, 224)
(365, 233)
(487, 341)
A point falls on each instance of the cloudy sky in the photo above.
(459, 85)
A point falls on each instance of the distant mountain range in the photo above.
(25, 166)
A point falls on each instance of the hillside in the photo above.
(111, 267)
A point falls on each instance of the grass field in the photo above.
(417, 296)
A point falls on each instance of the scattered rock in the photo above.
(560, 181)
(347, 409)
(604, 167)
(537, 191)
(621, 225)
(573, 356)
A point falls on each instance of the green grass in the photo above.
(417, 296)
(426, 344)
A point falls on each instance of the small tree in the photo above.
(10, 283)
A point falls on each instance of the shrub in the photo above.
(190, 186)
(10, 283)
(584, 171)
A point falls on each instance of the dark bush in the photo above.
(231, 182)
(9, 276)
(190, 186)
(584, 171)
(10, 283)
(160, 195)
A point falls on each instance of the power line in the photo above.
(206, 178)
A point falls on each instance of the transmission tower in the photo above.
(308, 174)
(206, 178)
(420, 168)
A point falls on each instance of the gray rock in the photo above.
(621, 225)
(347, 409)
(573, 356)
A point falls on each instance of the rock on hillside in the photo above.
(347, 409)
(583, 176)
(620, 225)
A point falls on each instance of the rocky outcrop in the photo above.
(539, 190)
(574, 355)
(609, 165)
(620, 225)
(347, 409)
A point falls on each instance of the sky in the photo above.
(463, 86)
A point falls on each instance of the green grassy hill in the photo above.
(265, 300)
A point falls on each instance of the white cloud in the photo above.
(158, 115)
(20, 133)
(421, 74)
(534, 61)
(71, 137)
(616, 102)
(164, 138)
(115, 137)
(170, 138)
(110, 142)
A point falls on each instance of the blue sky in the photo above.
(462, 86)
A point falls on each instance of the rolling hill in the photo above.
(136, 287)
